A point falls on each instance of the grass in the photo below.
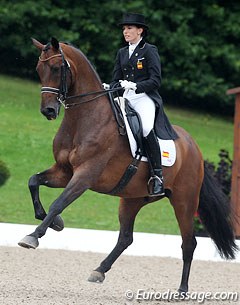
(26, 147)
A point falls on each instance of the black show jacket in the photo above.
(144, 69)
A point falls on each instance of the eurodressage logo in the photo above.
(200, 297)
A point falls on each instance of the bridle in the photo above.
(62, 91)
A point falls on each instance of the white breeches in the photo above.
(145, 107)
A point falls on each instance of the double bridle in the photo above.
(63, 90)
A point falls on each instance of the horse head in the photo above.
(55, 76)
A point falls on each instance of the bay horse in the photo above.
(90, 154)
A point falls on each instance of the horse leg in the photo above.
(76, 186)
(184, 215)
(128, 209)
(188, 246)
(54, 177)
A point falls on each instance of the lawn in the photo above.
(26, 147)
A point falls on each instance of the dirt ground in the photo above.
(57, 277)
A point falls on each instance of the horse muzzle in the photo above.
(50, 112)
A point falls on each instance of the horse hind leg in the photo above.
(188, 246)
(128, 209)
(184, 215)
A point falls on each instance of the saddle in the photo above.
(135, 124)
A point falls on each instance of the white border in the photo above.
(145, 244)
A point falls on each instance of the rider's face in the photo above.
(132, 33)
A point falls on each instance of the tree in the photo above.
(197, 40)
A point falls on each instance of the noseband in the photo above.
(63, 90)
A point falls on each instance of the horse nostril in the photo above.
(49, 112)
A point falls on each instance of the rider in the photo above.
(138, 71)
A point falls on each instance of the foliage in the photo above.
(198, 41)
(4, 173)
(223, 171)
(199, 228)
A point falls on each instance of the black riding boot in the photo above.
(155, 183)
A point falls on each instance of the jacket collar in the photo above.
(139, 47)
(141, 44)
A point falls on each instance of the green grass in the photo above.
(26, 147)
(211, 133)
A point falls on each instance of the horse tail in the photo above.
(216, 215)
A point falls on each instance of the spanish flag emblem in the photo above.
(139, 65)
(165, 154)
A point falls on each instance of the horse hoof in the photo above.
(96, 277)
(29, 242)
(57, 224)
(182, 293)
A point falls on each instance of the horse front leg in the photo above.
(54, 177)
(73, 190)
(128, 209)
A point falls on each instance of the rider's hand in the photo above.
(106, 86)
(127, 85)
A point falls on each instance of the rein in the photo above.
(99, 94)
(67, 106)
(62, 92)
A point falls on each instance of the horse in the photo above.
(90, 154)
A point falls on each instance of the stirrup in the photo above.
(150, 189)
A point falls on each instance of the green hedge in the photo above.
(198, 41)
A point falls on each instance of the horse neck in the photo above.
(94, 113)
(86, 79)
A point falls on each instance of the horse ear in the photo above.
(55, 43)
(37, 44)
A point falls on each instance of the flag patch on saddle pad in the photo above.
(165, 154)
(168, 149)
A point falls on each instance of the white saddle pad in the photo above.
(168, 149)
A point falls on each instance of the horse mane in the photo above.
(85, 57)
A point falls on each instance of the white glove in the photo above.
(106, 86)
(127, 85)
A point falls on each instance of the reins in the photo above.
(67, 106)
(62, 92)
(99, 94)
